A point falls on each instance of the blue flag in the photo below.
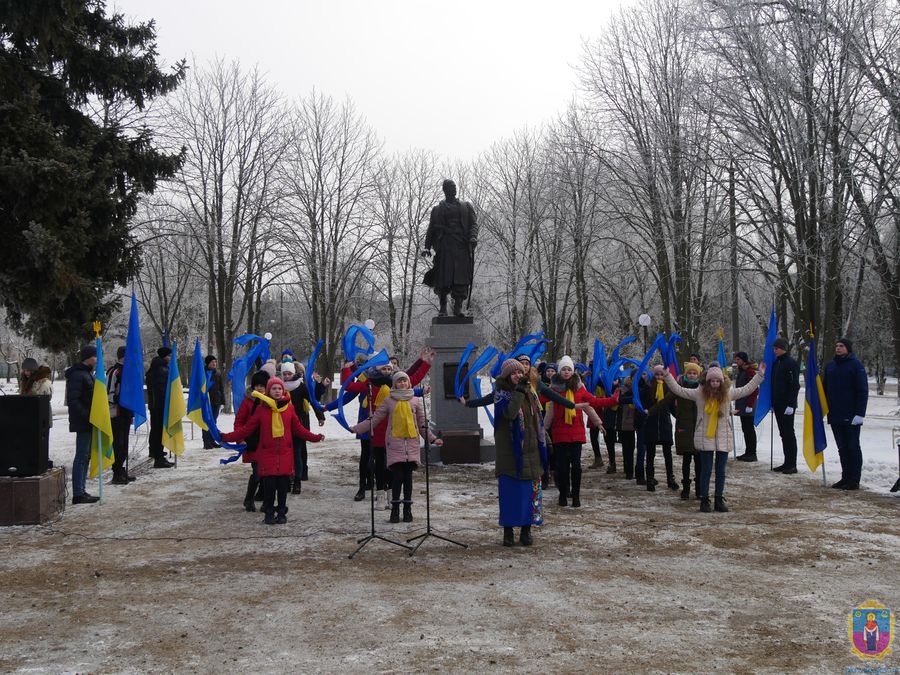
(764, 400)
(721, 357)
(131, 388)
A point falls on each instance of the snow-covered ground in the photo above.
(172, 575)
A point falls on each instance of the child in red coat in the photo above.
(277, 423)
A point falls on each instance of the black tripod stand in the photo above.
(428, 532)
(372, 534)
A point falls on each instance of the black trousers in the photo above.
(401, 473)
(847, 438)
(156, 428)
(275, 486)
(651, 460)
(121, 428)
(626, 438)
(749, 434)
(788, 439)
(382, 473)
(610, 439)
(595, 444)
(300, 457)
(365, 454)
(568, 465)
(686, 460)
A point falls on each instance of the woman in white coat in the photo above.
(712, 435)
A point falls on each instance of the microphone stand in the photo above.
(428, 531)
(371, 467)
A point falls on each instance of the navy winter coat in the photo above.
(157, 381)
(79, 394)
(785, 383)
(846, 389)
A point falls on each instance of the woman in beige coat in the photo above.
(712, 434)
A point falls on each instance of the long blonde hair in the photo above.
(719, 394)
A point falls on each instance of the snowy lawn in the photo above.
(171, 574)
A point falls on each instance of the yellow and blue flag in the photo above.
(197, 389)
(814, 440)
(175, 409)
(764, 399)
(101, 436)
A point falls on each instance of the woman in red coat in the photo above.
(277, 423)
(567, 428)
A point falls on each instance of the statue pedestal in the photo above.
(463, 437)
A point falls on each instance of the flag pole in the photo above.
(99, 463)
(771, 439)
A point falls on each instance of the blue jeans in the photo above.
(706, 465)
(81, 463)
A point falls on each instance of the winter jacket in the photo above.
(658, 422)
(369, 388)
(216, 389)
(685, 412)
(157, 379)
(79, 393)
(114, 389)
(846, 389)
(301, 400)
(274, 456)
(399, 449)
(785, 374)
(573, 432)
(38, 384)
(723, 441)
(505, 462)
(628, 417)
(248, 407)
(743, 376)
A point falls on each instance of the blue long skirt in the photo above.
(521, 502)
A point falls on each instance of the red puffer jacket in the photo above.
(274, 456)
(248, 405)
(560, 431)
(417, 372)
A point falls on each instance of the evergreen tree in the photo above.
(71, 169)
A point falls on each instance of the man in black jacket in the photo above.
(79, 394)
(157, 381)
(785, 387)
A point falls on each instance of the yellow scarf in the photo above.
(277, 422)
(660, 394)
(306, 407)
(402, 423)
(570, 412)
(712, 411)
(382, 394)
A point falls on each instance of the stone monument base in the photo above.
(32, 500)
(462, 435)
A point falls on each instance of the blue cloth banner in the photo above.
(487, 408)
(310, 369)
(625, 341)
(348, 343)
(131, 388)
(379, 359)
(241, 366)
(764, 399)
(660, 345)
(483, 359)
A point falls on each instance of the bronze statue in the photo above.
(453, 234)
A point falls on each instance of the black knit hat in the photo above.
(120, 352)
(163, 352)
(87, 352)
(209, 357)
(259, 378)
(30, 364)
(846, 342)
(781, 343)
(742, 356)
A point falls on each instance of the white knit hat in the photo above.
(288, 367)
(566, 362)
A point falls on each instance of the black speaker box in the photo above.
(24, 435)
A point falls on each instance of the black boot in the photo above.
(360, 495)
(442, 309)
(704, 505)
(407, 512)
(611, 468)
(576, 490)
(671, 482)
(395, 512)
(720, 505)
(747, 457)
(297, 487)
(686, 490)
(281, 518)
(270, 517)
(525, 536)
(119, 478)
(509, 536)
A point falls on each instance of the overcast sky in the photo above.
(449, 77)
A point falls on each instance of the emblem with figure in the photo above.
(871, 627)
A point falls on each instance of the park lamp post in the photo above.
(644, 321)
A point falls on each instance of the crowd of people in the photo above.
(543, 416)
